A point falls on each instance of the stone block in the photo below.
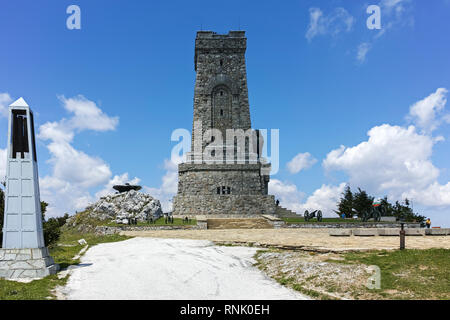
(437, 232)
(415, 232)
(388, 219)
(38, 253)
(20, 265)
(9, 256)
(389, 232)
(341, 232)
(365, 232)
(29, 274)
(23, 257)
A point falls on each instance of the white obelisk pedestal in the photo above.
(23, 254)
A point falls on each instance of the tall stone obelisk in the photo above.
(23, 254)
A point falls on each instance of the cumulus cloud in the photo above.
(73, 172)
(324, 198)
(87, 116)
(396, 160)
(393, 158)
(288, 194)
(300, 162)
(5, 101)
(332, 24)
(427, 113)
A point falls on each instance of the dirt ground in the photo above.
(306, 239)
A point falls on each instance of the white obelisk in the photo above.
(23, 253)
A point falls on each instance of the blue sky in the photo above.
(107, 97)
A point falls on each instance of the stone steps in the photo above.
(285, 213)
(255, 223)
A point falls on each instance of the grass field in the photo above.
(409, 274)
(62, 254)
(405, 275)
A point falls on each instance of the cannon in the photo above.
(308, 216)
(375, 212)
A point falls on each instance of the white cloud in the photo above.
(73, 171)
(5, 101)
(3, 153)
(425, 113)
(325, 198)
(395, 14)
(396, 160)
(434, 195)
(393, 158)
(169, 186)
(87, 116)
(332, 24)
(300, 162)
(288, 194)
(363, 49)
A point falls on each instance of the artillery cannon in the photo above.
(308, 216)
(375, 212)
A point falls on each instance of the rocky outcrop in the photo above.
(119, 208)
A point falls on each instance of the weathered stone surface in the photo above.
(389, 232)
(389, 219)
(437, 232)
(211, 185)
(122, 207)
(340, 232)
(365, 232)
(415, 232)
(15, 266)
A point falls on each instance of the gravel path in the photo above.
(148, 268)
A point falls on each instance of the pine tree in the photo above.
(345, 204)
(362, 202)
(387, 207)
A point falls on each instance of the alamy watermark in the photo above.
(73, 22)
(227, 146)
(374, 21)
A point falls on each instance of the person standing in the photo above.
(428, 223)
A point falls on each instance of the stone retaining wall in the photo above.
(349, 225)
(104, 230)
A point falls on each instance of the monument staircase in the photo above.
(239, 223)
(282, 212)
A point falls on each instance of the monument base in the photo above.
(26, 264)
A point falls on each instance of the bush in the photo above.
(52, 229)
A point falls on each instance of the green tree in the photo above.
(345, 204)
(389, 210)
(405, 212)
(362, 202)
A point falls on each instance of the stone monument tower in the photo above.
(23, 253)
(225, 173)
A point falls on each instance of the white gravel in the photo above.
(171, 269)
